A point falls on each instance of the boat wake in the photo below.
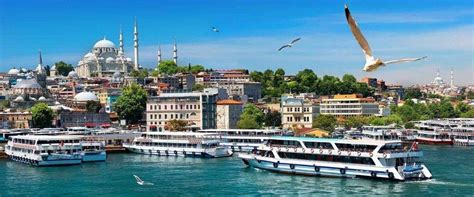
(437, 182)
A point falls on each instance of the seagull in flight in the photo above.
(289, 45)
(140, 181)
(214, 29)
(371, 63)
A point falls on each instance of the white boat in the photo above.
(389, 132)
(340, 158)
(464, 134)
(93, 149)
(178, 144)
(434, 132)
(41, 150)
(242, 140)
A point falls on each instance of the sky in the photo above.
(250, 33)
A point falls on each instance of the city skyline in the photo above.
(249, 37)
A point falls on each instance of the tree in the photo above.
(197, 68)
(272, 118)
(355, 122)
(447, 110)
(349, 78)
(462, 107)
(251, 117)
(131, 104)
(409, 125)
(468, 114)
(93, 106)
(247, 123)
(176, 125)
(325, 122)
(63, 68)
(407, 113)
(167, 67)
(42, 115)
(140, 74)
(413, 93)
(198, 87)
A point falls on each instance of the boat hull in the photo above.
(329, 171)
(94, 157)
(208, 153)
(434, 141)
(57, 162)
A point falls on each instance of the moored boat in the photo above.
(178, 144)
(241, 140)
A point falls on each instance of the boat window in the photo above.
(331, 158)
(394, 147)
(321, 145)
(356, 147)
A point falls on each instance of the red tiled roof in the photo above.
(228, 102)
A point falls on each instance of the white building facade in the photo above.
(297, 113)
(228, 114)
(349, 105)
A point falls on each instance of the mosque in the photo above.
(105, 60)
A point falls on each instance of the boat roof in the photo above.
(177, 133)
(241, 130)
(334, 140)
(48, 137)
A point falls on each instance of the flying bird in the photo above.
(140, 181)
(371, 63)
(290, 44)
(214, 29)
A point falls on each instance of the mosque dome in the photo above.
(104, 44)
(33, 98)
(73, 74)
(42, 98)
(23, 70)
(109, 60)
(53, 68)
(86, 96)
(14, 71)
(27, 83)
(19, 99)
(129, 59)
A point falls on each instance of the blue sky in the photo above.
(251, 31)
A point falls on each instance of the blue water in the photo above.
(452, 168)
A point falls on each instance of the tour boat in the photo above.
(41, 150)
(178, 144)
(464, 134)
(5, 134)
(389, 132)
(93, 149)
(241, 140)
(340, 158)
(434, 132)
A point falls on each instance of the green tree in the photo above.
(355, 122)
(413, 93)
(197, 68)
(93, 106)
(447, 110)
(272, 118)
(198, 87)
(42, 115)
(63, 68)
(251, 113)
(462, 107)
(140, 74)
(349, 78)
(131, 104)
(325, 122)
(468, 114)
(247, 123)
(409, 125)
(407, 113)
(167, 67)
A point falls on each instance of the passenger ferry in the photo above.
(340, 158)
(5, 134)
(464, 134)
(178, 144)
(93, 149)
(434, 132)
(389, 132)
(45, 150)
(242, 140)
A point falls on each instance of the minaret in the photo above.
(40, 59)
(135, 41)
(175, 53)
(159, 54)
(121, 40)
(452, 78)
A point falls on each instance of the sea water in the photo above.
(452, 168)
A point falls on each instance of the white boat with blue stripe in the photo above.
(340, 158)
(41, 150)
